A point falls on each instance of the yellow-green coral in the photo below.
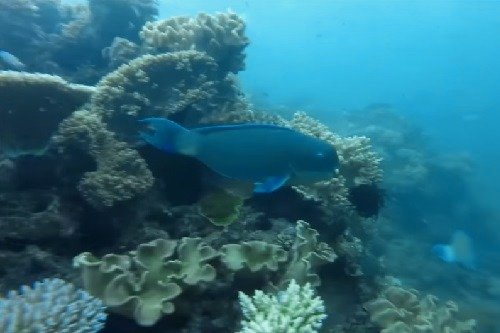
(399, 310)
(253, 254)
(220, 207)
(143, 283)
(191, 266)
(307, 253)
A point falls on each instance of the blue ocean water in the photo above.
(420, 79)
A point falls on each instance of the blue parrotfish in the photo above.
(11, 61)
(459, 250)
(266, 156)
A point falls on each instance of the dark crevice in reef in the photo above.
(181, 176)
(285, 203)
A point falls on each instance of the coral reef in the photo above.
(307, 254)
(254, 254)
(177, 84)
(293, 310)
(141, 285)
(221, 36)
(31, 108)
(69, 40)
(120, 172)
(51, 305)
(359, 164)
(400, 310)
(74, 179)
(157, 85)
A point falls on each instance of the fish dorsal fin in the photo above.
(217, 128)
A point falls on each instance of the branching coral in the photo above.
(221, 36)
(295, 310)
(52, 305)
(31, 108)
(401, 310)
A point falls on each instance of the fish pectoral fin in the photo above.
(270, 184)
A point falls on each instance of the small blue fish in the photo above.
(459, 250)
(267, 156)
(11, 61)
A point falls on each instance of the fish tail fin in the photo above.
(461, 244)
(444, 252)
(169, 136)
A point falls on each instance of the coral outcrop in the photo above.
(142, 285)
(254, 254)
(221, 36)
(307, 252)
(51, 305)
(403, 310)
(31, 108)
(120, 172)
(295, 310)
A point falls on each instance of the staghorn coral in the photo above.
(120, 171)
(51, 306)
(31, 108)
(253, 254)
(400, 310)
(142, 284)
(294, 310)
(221, 36)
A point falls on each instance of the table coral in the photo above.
(31, 108)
